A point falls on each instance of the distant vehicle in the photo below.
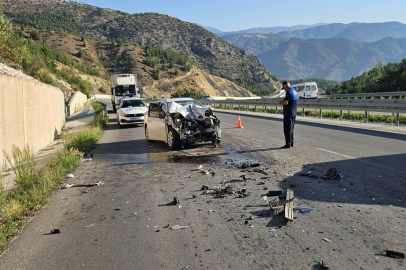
(306, 89)
(123, 85)
(206, 98)
(131, 111)
(181, 121)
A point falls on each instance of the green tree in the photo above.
(186, 92)
(10, 48)
(34, 34)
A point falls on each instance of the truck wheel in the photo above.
(173, 139)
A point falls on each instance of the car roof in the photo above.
(175, 99)
(132, 98)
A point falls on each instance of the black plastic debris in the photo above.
(260, 171)
(394, 254)
(242, 193)
(331, 174)
(309, 175)
(274, 193)
(174, 202)
(53, 231)
(204, 187)
(323, 267)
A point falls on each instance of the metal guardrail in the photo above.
(399, 94)
(367, 105)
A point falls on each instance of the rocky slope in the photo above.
(202, 48)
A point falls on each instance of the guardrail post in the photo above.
(320, 113)
(341, 115)
(265, 109)
(397, 119)
(246, 107)
(255, 108)
(365, 116)
(276, 109)
(303, 112)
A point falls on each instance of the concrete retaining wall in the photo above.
(31, 113)
(76, 103)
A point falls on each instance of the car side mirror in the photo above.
(161, 115)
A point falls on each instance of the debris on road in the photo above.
(100, 183)
(274, 193)
(174, 202)
(91, 225)
(275, 208)
(327, 240)
(177, 227)
(53, 231)
(303, 209)
(309, 174)
(394, 254)
(70, 175)
(323, 266)
(289, 204)
(331, 174)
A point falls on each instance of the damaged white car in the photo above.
(181, 122)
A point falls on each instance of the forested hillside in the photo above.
(201, 48)
(389, 78)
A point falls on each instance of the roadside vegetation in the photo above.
(35, 186)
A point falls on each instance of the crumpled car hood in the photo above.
(188, 111)
(133, 110)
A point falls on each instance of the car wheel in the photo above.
(146, 134)
(173, 139)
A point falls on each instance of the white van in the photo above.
(306, 89)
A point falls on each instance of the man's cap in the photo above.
(284, 83)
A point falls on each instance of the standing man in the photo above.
(289, 113)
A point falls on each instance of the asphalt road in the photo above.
(129, 222)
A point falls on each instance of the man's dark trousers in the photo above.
(288, 129)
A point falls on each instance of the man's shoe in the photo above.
(285, 146)
(291, 145)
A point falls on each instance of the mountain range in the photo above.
(254, 58)
(330, 51)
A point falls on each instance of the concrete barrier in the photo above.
(31, 113)
(76, 103)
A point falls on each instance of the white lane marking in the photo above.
(335, 153)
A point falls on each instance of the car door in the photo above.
(156, 126)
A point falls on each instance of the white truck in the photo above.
(306, 89)
(123, 85)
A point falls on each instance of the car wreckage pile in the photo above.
(194, 123)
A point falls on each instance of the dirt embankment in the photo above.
(201, 81)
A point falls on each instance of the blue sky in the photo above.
(233, 15)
